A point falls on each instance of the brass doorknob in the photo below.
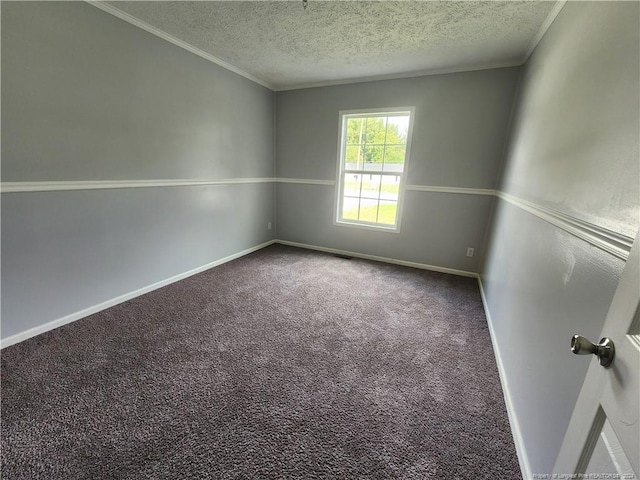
(605, 350)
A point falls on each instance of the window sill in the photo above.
(370, 227)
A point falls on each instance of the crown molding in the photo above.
(112, 10)
(398, 76)
(543, 28)
(116, 12)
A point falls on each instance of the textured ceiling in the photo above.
(286, 46)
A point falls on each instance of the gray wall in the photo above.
(458, 140)
(86, 96)
(574, 148)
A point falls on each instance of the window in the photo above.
(374, 147)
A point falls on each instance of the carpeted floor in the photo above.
(286, 363)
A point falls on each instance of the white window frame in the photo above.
(339, 196)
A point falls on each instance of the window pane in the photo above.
(394, 168)
(368, 210)
(352, 184)
(355, 132)
(398, 129)
(370, 186)
(394, 159)
(372, 165)
(353, 157)
(373, 158)
(350, 207)
(376, 128)
(387, 213)
(390, 187)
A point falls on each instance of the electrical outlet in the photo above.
(469, 252)
(269, 226)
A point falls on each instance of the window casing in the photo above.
(372, 162)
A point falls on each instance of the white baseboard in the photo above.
(32, 332)
(523, 458)
(515, 428)
(424, 266)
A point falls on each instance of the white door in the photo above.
(603, 438)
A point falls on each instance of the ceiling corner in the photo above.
(116, 12)
(557, 8)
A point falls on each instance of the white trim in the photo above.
(32, 332)
(457, 190)
(18, 187)
(395, 261)
(417, 188)
(341, 171)
(397, 76)
(127, 17)
(116, 12)
(372, 227)
(544, 27)
(616, 244)
(611, 242)
(521, 451)
(308, 181)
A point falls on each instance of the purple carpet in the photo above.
(285, 363)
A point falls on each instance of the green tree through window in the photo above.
(372, 160)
